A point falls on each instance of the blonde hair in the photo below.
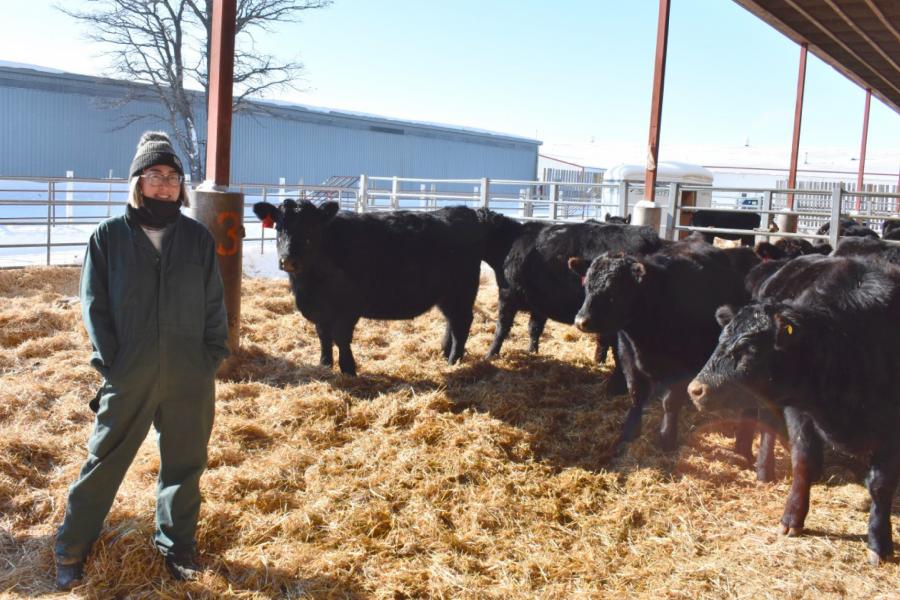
(136, 198)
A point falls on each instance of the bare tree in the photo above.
(165, 44)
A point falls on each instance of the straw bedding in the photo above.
(414, 480)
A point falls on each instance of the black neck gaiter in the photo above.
(155, 214)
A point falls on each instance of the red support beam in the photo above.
(659, 78)
(798, 118)
(862, 150)
(221, 76)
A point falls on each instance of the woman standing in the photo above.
(153, 305)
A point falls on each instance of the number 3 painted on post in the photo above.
(232, 233)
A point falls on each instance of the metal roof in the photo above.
(859, 38)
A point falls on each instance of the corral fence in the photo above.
(48, 220)
(813, 206)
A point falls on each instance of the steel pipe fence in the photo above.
(49, 214)
(812, 208)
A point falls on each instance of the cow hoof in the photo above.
(874, 559)
(790, 531)
(668, 444)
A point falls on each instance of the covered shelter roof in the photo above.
(859, 38)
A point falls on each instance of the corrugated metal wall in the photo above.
(51, 123)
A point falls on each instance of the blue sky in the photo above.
(563, 71)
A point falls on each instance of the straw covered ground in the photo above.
(414, 480)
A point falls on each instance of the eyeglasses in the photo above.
(159, 179)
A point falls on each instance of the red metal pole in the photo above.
(220, 210)
(862, 150)
(221, 76)
(798, 117)
(659, 77)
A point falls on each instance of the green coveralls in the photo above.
(158, 328)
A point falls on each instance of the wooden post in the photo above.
(798, 117)
(659, 77)
(862, 150)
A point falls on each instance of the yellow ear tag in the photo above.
(790, 329)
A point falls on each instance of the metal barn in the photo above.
(54, 122)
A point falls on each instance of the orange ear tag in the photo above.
(790, 329)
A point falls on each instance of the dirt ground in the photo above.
(490, 479)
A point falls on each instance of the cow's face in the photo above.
(754, 348)
(611, 285)
(299, 227)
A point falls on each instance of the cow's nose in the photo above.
(697, 392)
(582, 322)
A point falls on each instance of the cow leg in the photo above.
(884, 474)
(639, 387)
(771, 423)
(459, 320)
(674, 398)
(743, 438)
(457, 309)
(506, 314)
(459, 325)
(536, 325)
(806, 467)
(447, 342)
(617, 383)
(343, 336)
(326, 358)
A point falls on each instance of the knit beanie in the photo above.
(155, 148)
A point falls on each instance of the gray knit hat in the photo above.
(155, 148)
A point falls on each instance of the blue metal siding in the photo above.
(47, 133)
(53, 123)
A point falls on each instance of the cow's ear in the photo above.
(724, 315)
(628, 220)
(638, 271)
(578, 265)
(329, 209)
(789, 330)
(267, 213)
(766, 251)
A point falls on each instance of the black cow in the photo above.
(538, 279)
(847, 227)
(789, 248)
(501, 232)
(831, 352)
(727, 219)
(620, 220)
(806, 446)
(890, 230)
(345, 266)
(867, 246)
(663, 307)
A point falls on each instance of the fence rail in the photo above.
(50, 214)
